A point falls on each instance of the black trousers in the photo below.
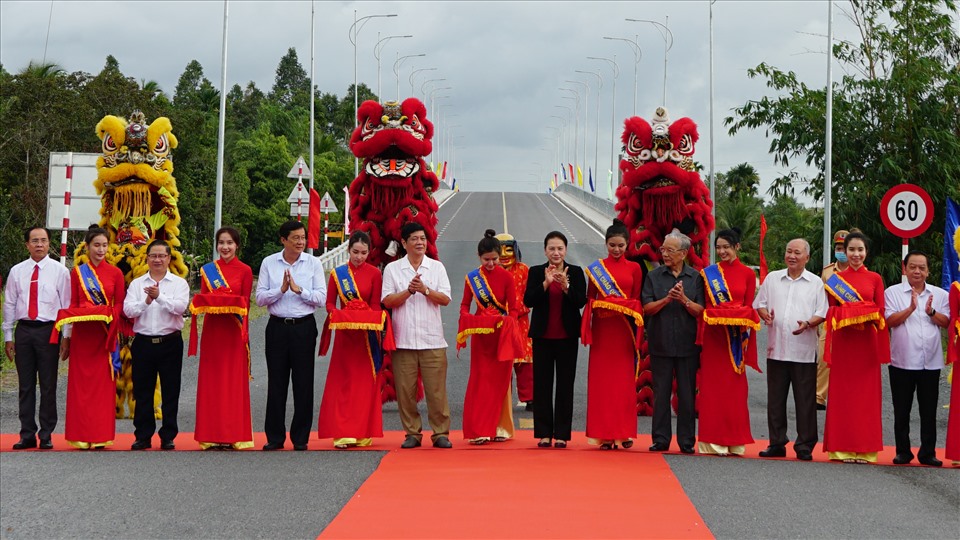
(926, 384)
(664, 369)
(290, 351)
(802, 376)
(36, 358)
(553, 357)
(150, 360)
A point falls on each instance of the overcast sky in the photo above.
(504, 62)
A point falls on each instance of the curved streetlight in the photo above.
(559, 136)
(667, 36)
(413, 75)
(398, 64)
(576, 125)
(586, 116)
(378, 50)
(353, 33)
(637, 55)
(423, 91)
(596, 141)
(613, 113)
(569, 139)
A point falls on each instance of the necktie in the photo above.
(32, 311)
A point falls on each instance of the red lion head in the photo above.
(661, 189)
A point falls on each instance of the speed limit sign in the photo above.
(906, 210)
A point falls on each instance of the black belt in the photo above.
(292, 320)
(159, 339)
(34, 324)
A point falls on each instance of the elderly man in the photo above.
(792, 302)
(673, 298)
(915, 312)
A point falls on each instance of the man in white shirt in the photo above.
(156, 302)
(37, 289)
(415, 287)
(915, 312)
(291, 285)
(792, 302)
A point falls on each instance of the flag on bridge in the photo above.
(573, 177)
(590, 174)
(579, 176)
(454, 186)
(443, 170)
(763, 258)
(313, 227)
(609, 184)
(951, 259)
(564, 171)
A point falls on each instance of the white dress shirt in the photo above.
(792, 300)
(53, 293)
(416, 322)
(307, 272)
(165, 314)
(915, 344)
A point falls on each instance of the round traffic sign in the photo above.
(906, 210)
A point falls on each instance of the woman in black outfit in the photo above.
(556, 292)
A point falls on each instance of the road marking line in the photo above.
(576, 215)
(454, 216)
(560, 221)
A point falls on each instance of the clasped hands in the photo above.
(288, 283)
(416, 286)
(768, 316)
(555, 274)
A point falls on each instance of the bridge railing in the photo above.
(593, 201)
(335, 257)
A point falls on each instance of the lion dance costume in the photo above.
(138, 205)
(661, 190)
(394, 186)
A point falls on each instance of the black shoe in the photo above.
(544, 443)
(627, 444)
(659, 447)
(299, 447)
(805, 456)
(270, 446)
(167, 445)
(23, 444)
(902, 459)
(774, 451)
(821, 406)
(442, 442)
(140, 444)
(686, 449)
(559, 444)
(46, 444)
(528, 406)
(930, 461)
(410, 442)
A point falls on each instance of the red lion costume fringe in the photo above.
(661, 190)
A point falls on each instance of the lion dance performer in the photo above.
(510, 261)
(138, 204)
(953, 357)
(661, 190)
(394, 186)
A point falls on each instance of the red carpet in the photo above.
(489, 492)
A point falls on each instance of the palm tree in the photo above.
(41, 70)
(743, 180)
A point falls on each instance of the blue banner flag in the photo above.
(590, 174)
(564, 170)
(454, 186)
(951, 260)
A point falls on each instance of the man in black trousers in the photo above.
(37, 289)
(291, 285)
(673, 299)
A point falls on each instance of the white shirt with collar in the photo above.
(307, 272)
(53, 293)
(792, 300)
(915, 344)
(164, 315)
(416, 323)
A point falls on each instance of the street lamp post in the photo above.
(667, 36)
(378, 50)
(398, 64)
(561, 141)
(586, 117)
(413, 75)
(423, 90)
(613, 108)
(637, 55)
(576, 125)
(596, 137)
(353, 33)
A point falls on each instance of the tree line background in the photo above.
(896, 118)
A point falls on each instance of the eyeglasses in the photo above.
(157, 256)
(669, 251)
(39, 242)
(297, 239)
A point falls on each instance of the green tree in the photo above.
(896, 119)
(291, 86)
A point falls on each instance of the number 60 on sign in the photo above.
(906, 210)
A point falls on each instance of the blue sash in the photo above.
(213, 277)
(347, 288)
(93, 290)
(603, 280)
(738, 337)
(482, 292)
(841, 290)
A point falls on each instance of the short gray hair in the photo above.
(684, 239)
(806, 244)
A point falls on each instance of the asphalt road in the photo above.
(294, 495)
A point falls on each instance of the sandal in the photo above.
(607, 446)
(480, 441)
(499, 439)
(560, 444)
(544, 443)
(627, 444)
